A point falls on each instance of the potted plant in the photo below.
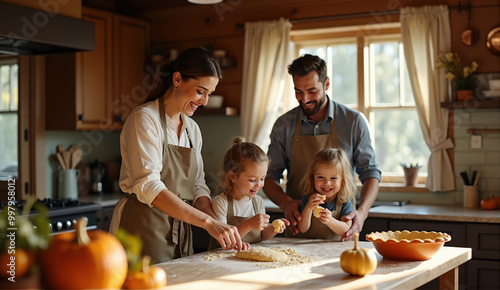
(463, 83)
(158, 54)
(411, 173)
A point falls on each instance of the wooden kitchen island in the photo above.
(324, 271)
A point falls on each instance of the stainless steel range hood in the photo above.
(28, 31)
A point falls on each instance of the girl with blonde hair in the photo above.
(245, 167)
(328, 189)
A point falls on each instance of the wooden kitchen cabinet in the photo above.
(96, 90)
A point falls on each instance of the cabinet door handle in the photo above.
(81, 117)
(118, 118)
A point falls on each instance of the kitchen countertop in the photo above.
(105, 199)
(407, 211)
(436, 213)
(421, 212)
(324, 271)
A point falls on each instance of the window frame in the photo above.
(363, 36)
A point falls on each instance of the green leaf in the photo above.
(133, 247)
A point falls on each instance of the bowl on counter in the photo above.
(406, 245)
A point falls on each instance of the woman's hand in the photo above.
(259, 221)
(227, 235)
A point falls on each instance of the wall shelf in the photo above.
(474, 104)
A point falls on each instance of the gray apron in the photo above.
(251, 237)
(304, 149)
(163, 237)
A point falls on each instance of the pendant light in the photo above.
(205, 1)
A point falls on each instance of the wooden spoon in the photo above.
(61, 160)
(76, 156)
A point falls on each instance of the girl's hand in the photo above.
(283, 227)
(244, 247)
(325, 216)
(259, 221)
(315, 200)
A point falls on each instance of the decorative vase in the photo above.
(465, 95)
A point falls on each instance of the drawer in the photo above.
(483, 274)
(484, 239)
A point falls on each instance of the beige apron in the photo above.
(319, 230)
(304, 149)
(251, 237)
(163, 237)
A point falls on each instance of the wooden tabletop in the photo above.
(324, 271)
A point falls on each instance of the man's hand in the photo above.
(358, 219)
(293, 215)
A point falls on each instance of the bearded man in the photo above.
(318, 123)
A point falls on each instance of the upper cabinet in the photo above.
(97, 90)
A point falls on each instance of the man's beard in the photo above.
(314, 110)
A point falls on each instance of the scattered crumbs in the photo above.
(294, 258)
(218, 255)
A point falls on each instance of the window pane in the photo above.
(8, 88)
(408, 99)
(8, 145)
(344, 74)
(385, 73)
(398, 138)
(314, 50)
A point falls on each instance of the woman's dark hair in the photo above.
(191, 64)
(305, 64)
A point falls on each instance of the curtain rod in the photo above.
(460, 7)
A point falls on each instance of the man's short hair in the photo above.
(307, 63)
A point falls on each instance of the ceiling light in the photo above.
(205, 1)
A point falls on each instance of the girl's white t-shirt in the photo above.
(240, 208)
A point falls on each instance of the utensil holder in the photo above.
(68, 184)
(471, 199)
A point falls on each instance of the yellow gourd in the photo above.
(358, 261)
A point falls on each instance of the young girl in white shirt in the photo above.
(328, 189)
(245, 166)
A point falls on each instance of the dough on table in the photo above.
(277, 224)
(262, 254)
(317, 211)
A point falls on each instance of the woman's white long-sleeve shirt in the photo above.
(141, 145)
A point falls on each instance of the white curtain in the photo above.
(265, 91)
(426, 32)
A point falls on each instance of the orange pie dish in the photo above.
(406, 245)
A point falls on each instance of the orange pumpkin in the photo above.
(148, 278)
(488, 203)
(497, 199)
(23, 260)
(85, 260)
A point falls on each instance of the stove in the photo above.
(63, 213)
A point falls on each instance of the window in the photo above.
(368, 73)
(9, 102)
